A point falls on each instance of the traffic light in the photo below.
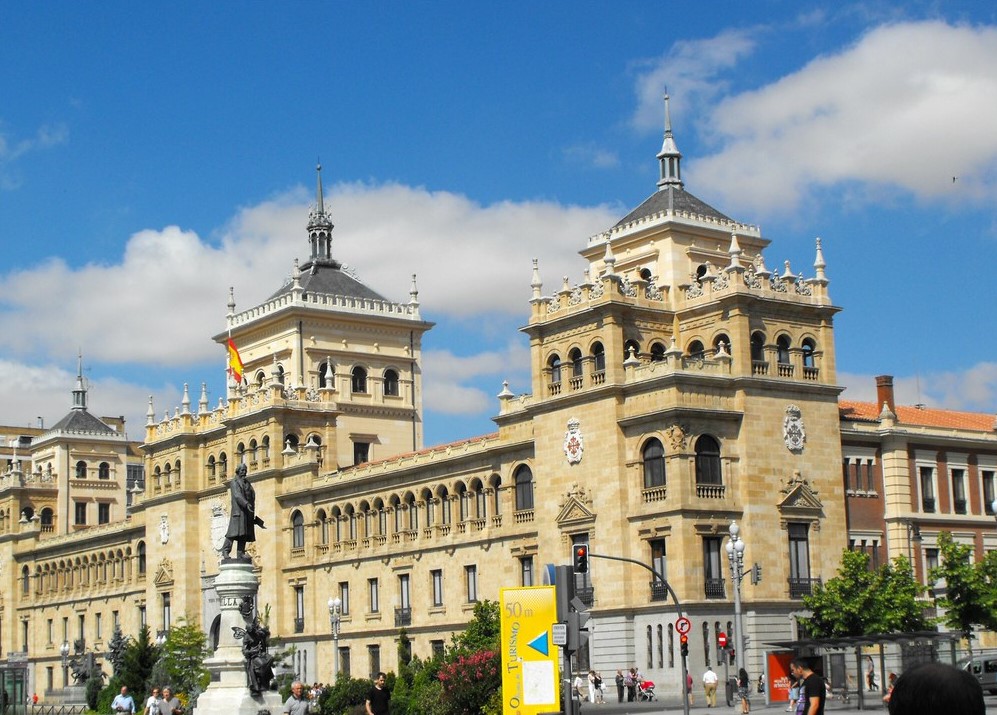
(581, 558)
(684, 642)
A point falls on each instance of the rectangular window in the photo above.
(115, 620)
(471, 578)
(404, 592)
(344, 596)
(103, 513)
(526, 571)
(799, 561)
(713, 577)
(50, 677)
(81, 513)
(930, 562)
(98, 625)
(166, 611)
(361, 452)
(989, 494)
(299, 609)
(24, 636)
(344, 661)
(658, 560)
(141, 617)
(959, 490)
(65, 630)
(437, 648)
(436, 576)
(81, 627)
(927, 475)
(372, 595)
(50, 631)
(374, 659)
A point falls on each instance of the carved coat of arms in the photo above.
(573, 444)
(793, 431)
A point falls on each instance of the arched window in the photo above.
(358, 381)
(391, 383)
(708, 461)
(757, 347)
(463, 502)
(782, 349)
(240, 453)
(222, 465)
(496, 484)
(598, 358)
(524, 488)
(696, 349)
(653, 456)
(25, 581)
(628, 345)
(576, 362)
(809, 348)
(81, 469)
(211, 468)
(554, 365)
(104, 471)
(265, 448)
(323, 527)
(444, 495)
(297, 530)
(259, 379)
(413, 511)
(253, 446)
(140, 551)
(280, 374)
(721, 339)
(337, 524)
(657, 352)
(46, 517)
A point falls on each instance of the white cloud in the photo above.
(11, 150)
(691, 71)
(907, 107)
(970, 390)
(167, 295)
(445, 376)
(590, 155)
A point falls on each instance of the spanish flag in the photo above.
(234, 361)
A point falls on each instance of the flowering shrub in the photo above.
(470, 681)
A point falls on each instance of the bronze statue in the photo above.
(255, 647)
(242, 520)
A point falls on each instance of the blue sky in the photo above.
(154, 154)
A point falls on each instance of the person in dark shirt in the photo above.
(814, 691)
(378, 697)
(937, 688)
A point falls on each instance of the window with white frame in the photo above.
(436, 577)
(989, 493)
(926, 483)
(372, 595)
(526, 571)
(344, 598)
(858, 467)
(959, 501)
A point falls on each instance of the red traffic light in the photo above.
(683, 639)
(581, 552)
(722, 640)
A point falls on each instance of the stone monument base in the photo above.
(228, 692)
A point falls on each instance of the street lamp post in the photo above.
(735, 554)
(335, 615)
(64, 651)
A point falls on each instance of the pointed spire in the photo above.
(80, 392)
(536, 284)
(202, 404)
(609, 259)
(231, 301)
(150, 415)
(413, 294)
(819, 264)
(185, 402)
(319, 226)
(669, 158)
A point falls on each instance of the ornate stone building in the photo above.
(679, 386)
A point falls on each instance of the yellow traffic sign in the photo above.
(529, 657)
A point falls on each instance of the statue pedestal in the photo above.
(228, 693)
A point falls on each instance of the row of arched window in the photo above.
(708, 464)
(359, 377)
(84, 571)
(573, 366)
(407, 512)
(103, 470)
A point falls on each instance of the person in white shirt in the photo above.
(710, 687)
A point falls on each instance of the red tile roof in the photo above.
(920, 416)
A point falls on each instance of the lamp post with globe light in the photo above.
(735, 554)
(335, 615)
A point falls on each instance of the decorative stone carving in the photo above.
(219, 524)
(164, 529)
(794, 433)
(678, 437)
(573, 442)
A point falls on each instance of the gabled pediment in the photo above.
(800, 498)
(164, 574)
(576, 510)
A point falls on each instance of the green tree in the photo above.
(860, 601)
(137, 661)
(116, 649)
(184, 652)
(483, 631)
(968, 594)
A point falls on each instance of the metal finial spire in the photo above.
(669, 158)
(320, 204)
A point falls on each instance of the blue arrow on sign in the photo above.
(539, 644)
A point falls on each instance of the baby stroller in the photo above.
(645, 691)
